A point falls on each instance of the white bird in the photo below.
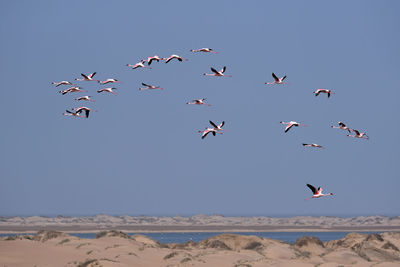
(85, 98)
(277, 80)
(218, 127)
(313, 145)
(139, 65)
(174, 56)
(109, 90)
(85, 109)
(87, 77)
(205, 50)
(325, 91)
(290, 124)
(72, 90)
(198, 102)
(357, 134)
(207, 131)
(62, 83)
(109, 81)
(155, 58)
(149, 87)
(317, 192)
(342, 126)
(217, 73)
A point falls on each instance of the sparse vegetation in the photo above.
(64, 241)
(389, 245)
(170, 255)
(254, 246)
(113, 233)
(88, 263)
(185, 260)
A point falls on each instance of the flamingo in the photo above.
(218, 127)
(357, 134)
(139, 65)
(85, 98)
(277, 80)
(317, 192)
(290, 124)
(205, 50)
(81, 109)
(155, 58)
(217, 73)
(198, 102)
(72, 90)
(326, 91)
(109, 90)
(109, 81)
(174, 56)
(342, 126)
(207, 131)
(149, 87)
(87, 77)
(313, 145)
(71, 113)
(62, 83)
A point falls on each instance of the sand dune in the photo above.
(115, 248)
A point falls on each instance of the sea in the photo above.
(182, 237)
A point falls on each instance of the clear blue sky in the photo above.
(141, 152)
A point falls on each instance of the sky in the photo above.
(141, 153)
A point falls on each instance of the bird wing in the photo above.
(87, 113)
(317, 92)
(213, 133)
(275, 78)
(84, 76)
(92, 74)
(357, 132)
(341, 124)
(213, 124)
(68, 111)
(284, 77)
(214, 70)
(221, 124)
(145, 84)
(319, 190)
(204, 134)
(305, 144)
(168, 59)
(329, 94)
(223, 69)
(288, 127)
(312, 188)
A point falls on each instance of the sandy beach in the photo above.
(115, 248)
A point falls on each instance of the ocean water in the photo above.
(183, 237)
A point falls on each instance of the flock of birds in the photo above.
(215, 129)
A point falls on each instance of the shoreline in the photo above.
(193, 229)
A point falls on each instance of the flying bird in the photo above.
(85, 98)
(325, 91)
(71, 113)
(317, 192)
(87, 77)
(290, 124)
(174, 56)
(342, 126)
(207, 131)
(138, 65)
(277, 80)
(198, 102)
(153, 58)
(149, 87)
(83, 109)
(205, 50)
(72, 90)
(313, 145)
(357, 134)
(62, 83)
(109, 81)
(217, 73)
(109, 90)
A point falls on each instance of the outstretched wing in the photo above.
(221, 124)
(284, 77)
(204, 134)
(213, 124)
(84, 76)
(312, 188)
(341, 124)
(214, 70)
(223, 69)
(275, 77)
(91, 75)
(288, 127)
(145, 84)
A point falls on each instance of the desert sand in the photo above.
(115, 248)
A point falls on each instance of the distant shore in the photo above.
(198, 223)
